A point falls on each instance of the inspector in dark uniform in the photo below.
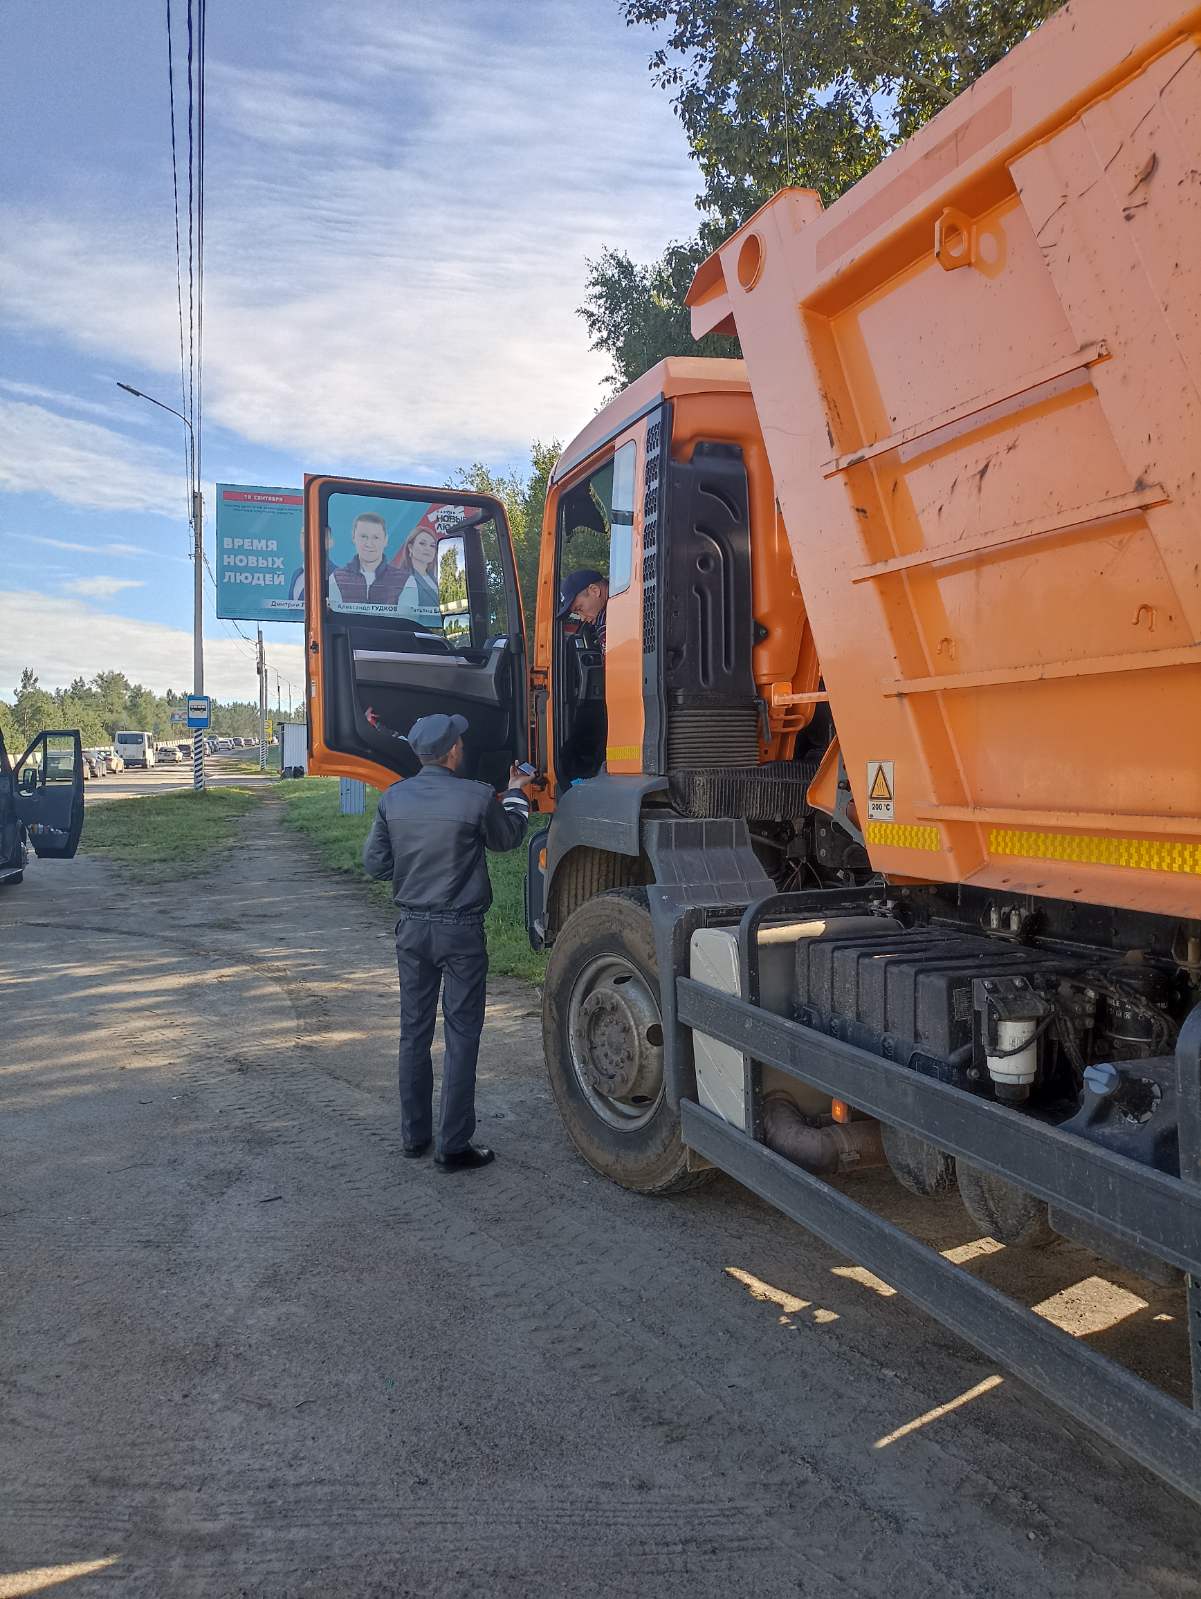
(429, 836)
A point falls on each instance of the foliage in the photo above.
(163, 837)
(635, 314)
(523, 496)
(815, 92)
(105, 704)
(312, 809)
(772, 93)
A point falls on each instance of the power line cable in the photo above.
(178, 267)
(202, 32)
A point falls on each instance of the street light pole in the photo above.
(197, 511)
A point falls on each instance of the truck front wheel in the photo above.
(603, 1035)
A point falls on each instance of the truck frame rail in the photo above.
(1147, 1208)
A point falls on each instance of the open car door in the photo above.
(411, 606)
(50, 794)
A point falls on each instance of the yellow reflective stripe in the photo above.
(623, 752)
(904, 835)
(1141, 854)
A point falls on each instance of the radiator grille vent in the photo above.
(650, 540)
(712, 736)
(774, 792)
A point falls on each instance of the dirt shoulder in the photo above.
(246, 1349)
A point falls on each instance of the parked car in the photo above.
(41, 802)
(94, 764)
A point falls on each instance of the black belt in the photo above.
(411, 914)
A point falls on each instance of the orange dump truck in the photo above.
(876, 799)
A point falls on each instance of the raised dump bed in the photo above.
(978, 376)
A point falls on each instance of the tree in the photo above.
(523, 497)
(33, 708)
(636, 314)
(815, 92)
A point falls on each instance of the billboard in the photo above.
(260, 553)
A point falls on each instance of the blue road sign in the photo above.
(199, 710)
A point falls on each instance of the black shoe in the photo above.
(465, 1159)
(415, 1151)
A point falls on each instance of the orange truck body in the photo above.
(978, 381)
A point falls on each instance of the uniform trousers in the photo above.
(450, 954)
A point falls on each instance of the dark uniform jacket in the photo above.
(429, 835)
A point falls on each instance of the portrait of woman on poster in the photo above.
(416, 567)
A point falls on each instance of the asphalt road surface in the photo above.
(247, 1349)
(166, 779)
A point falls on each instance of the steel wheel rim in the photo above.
(599, 980)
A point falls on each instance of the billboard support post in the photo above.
(198, 633)
(262, 655)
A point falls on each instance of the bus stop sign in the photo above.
(199, 706)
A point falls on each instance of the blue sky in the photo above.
(401, 197)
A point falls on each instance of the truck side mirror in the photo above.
(27, 782)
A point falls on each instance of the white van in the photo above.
(136, 749)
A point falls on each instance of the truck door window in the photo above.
(621, 540)
(585, 523)
(434, 566)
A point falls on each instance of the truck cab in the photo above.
(41, 802)
(707, 697)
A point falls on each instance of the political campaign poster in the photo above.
(260, 553)
(395, 558)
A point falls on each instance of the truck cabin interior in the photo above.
(584, 537)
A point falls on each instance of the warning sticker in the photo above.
(881, 791)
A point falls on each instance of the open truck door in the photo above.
(411, 606)
(49, 794)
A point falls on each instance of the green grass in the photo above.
(246, 765)
(312, 809)
(166, 836)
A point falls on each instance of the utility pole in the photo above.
(197, 504)
(198, 634)
(262, 703)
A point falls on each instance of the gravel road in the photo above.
(246, 1349)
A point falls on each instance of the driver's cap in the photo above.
(430, 737)
(573, 585)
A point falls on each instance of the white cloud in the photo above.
(396, 250)
(66, 638)
(62, 401)
(102, 588)
(111, 548)
(82, 463)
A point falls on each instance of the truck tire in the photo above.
(603, 1036)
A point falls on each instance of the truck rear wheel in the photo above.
(603, 1035)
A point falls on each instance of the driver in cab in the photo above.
(585, 595)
